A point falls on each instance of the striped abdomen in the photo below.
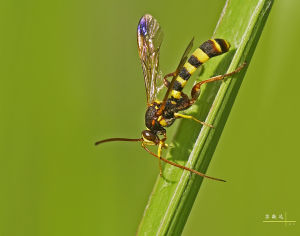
(208, 49)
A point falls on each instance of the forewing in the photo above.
(185, 56)
(179, 67)
(149, 38)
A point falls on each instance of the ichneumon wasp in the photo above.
(161, 114)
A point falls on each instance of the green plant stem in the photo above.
(170, 203)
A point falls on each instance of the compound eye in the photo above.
(149, 136)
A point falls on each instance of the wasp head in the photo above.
(150, 138)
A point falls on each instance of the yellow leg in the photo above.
(159, 152)
(178, 115)
(161, 145)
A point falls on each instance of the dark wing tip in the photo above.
(142, 25)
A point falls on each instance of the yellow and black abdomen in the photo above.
(208, 49)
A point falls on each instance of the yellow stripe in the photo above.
(217, 46)
(181, 81)
(190, 68)
(227, 44)
(200, 55)
(163, 122)
(176, 94)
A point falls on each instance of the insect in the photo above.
(162, 114)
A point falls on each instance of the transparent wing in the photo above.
(149, 38)
(185, 56)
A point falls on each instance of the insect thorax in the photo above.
(156, 123)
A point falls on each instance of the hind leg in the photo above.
(196, 89)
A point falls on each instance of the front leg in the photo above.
(161, 145)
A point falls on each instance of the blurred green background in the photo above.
(70, 75)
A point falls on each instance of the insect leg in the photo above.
(159, 152)
(180, 166)
(178, 115)
(196, 89)
(161, 145)
(166, 82)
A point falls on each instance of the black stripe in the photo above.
(194, 61)
(173, 99)
(184, 74)
(209, 49)
(222, 44)
(177, 86)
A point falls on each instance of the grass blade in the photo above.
(170, 203)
